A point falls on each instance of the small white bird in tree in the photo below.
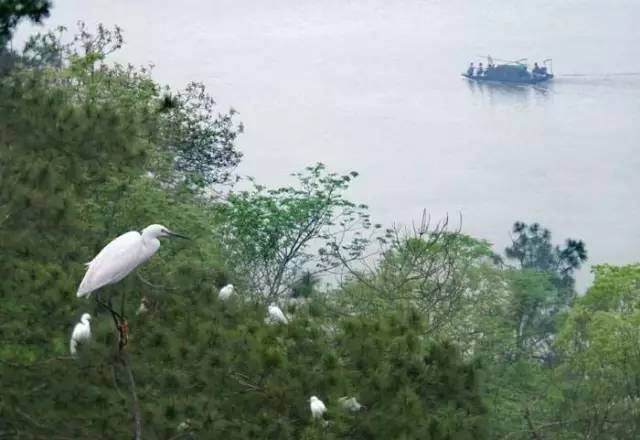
(276, 315)
(143, 306)
(317, 407)
(118, 258)
(226, 292)
(81, 333)
(185, 425)
(350, 403)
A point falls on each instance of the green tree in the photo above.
(532, 248)
(517, 386)
(542, 287)
(202, 141)
(412, 386)
(273, 235)
(193, 144)
(432, 268)
(600, 352)
(83, 153)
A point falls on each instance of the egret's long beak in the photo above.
(174, 234)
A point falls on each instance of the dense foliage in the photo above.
(429, 328)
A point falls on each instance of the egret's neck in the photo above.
(84, 320)
(151, 244)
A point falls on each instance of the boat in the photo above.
(512, 72)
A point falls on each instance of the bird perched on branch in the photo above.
(276, 315)
(81, 332)
(118, 258)
(142, 309)
(185, 425)
(317, 407)
(350, 403)
(226, 292)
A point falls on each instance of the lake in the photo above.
(374, 86)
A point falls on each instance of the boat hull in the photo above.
(530, 80)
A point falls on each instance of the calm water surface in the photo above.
(374, 86)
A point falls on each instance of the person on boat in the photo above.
(536, 68)
(470, 70)
(480, 70)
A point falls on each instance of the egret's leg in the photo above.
(109, 307)
(102, 303)
(119, 323)
(113, 312)
(116, 320)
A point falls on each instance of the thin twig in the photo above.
(243, 382)
(155, 286)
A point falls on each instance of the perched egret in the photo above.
(276, 315)
(117, 259)
(143, 306)
(226, 292)
(317, 407)
(81, 332)
(350, 403)
(185, 425)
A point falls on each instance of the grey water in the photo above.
(374, 86)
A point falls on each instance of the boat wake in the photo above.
(597, 75)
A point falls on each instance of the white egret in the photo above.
(350, 403)
(118, 258)
(226, 292)
(276, 315)
(143, 306)
(317, 407)
(185, 425)
(81, 332)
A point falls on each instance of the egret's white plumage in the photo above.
(185, 425)
(143, 306)
(81, 332)
(350, 403)
(317, 407)
(276, 315)
(118, 258)
(226, 292)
